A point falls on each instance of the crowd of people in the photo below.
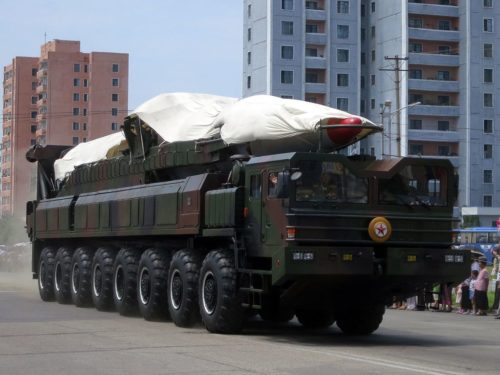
(471, 295)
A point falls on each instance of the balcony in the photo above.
(41, 73)
(433, 9)
(433, 135)
(41, 117)
(315, 88)
(41, 88)
(40, 132)
(315, 62)
(316, 14)
(433, 59)
(433, 85)
(431, 109)
(41, 102)
(434, 34)
(316, 38)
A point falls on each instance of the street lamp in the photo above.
(385, 111)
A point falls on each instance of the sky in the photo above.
(173, 45)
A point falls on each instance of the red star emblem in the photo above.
(380, 230)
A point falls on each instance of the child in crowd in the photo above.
(467, 288)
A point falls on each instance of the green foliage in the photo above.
(12, 230)
(470, 221)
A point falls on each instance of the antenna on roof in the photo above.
(45, 37)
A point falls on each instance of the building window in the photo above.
(287, 77)
(443, 75)
(33, 85)
(415, 47)
(76, 111)
(287, 4)
(115, 68)
(443, 100)
(343, 104)
(86, 68)
(488, 75)
(312, 28)
(249, 10)
(114, 111)
(287, 52)
(372, 79)
(373, 55)
(33, 114)
(76, 97)
(487, 50)
(312, 4)
(34, 99)
(114, 126)
(76, 68)
(444, 50)
(444, 25)
(249, 34)
(362, 106)
(487, 200)
(488, 3)
(416, 149)
(363, 34)
(114, 97)
(84, 139)
(34, 71)
(33, 142)
(342, 31)
(75, 140)
(311, 77)
(85, 83)
(85, 111)
(311, 52)
(362, 82)
(487, 100)
(487, 176)
(487, 151)
(249, 82)
(343, 80)
(443, 150)
(287, 27)
(76, 126)
(363, 58)
(249, 58)
(416, 73)
(76, 82)
(84, 126)
(372, 103)
(85, 97)
(286, 96)
(342, 7)
(415, 23)
(488, 126)
(488, 25)
(115, 82)
(415, 124)
(372, 32)
(373, 6)
(342, 55)
(443, 125)
(33, 128)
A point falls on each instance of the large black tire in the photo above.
(62, 275)
(46, 265)
(102, 279)
(81, 270)
(315, 318)
(152, 284)
(363, 320)
(182, 288)
(125, 281)
(220, 301)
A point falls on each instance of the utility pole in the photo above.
(397, 69)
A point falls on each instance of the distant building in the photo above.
(369, 57)
(63, 97)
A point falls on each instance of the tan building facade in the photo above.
(63, 97)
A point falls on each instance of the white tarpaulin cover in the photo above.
(187, 116)
(87, 152)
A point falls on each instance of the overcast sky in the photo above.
(173, 45)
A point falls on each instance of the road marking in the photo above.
(382, 362)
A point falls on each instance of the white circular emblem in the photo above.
(380, 230)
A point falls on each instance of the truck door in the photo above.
(254, 205)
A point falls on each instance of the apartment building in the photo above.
(426, 69)
(62, 97)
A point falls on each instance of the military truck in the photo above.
(203, 229)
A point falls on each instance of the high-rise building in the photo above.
(428, 70)
(62, 97)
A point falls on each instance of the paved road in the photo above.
(46, 338)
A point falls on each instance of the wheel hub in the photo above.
(97, 280)
(58, 274)
(75, 278)
(145, 286)
(176, 289)
(41, 275)
(209, 296)
(119, 281)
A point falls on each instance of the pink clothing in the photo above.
(482, 280)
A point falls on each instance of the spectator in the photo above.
(467, 294)
(481, 289)
(495, 274)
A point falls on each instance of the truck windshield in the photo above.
(330, 182)
(415, 185)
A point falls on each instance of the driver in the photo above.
(326, 190)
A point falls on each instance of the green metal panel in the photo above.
(223, 208)
(104, 215)
(166, 209)
(80, 217)
(93, 216)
